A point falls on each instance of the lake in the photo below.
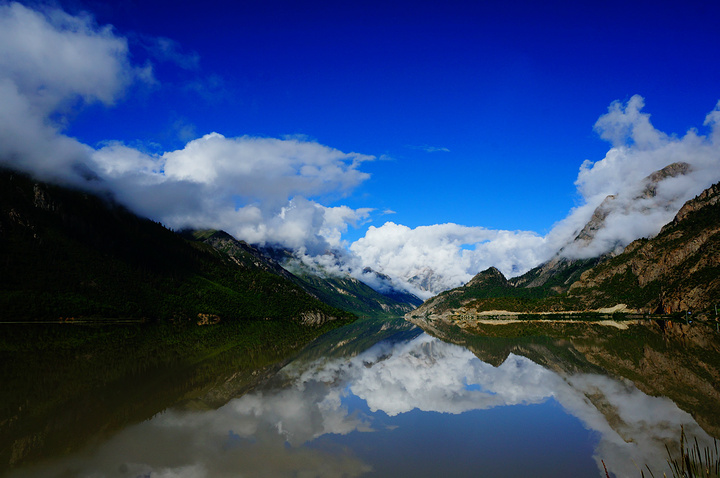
(373, 398)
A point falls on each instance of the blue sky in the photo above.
(478, 114)
(511, 89)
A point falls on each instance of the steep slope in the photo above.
(677, 270)
(355, 296)
(347, 292)
(242, 253)
(341, 291)
(594, 239)
(565, 267)
(69, 254)
(555, 275)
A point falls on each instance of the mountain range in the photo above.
(678, 270)
(69, 254)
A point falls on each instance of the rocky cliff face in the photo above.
(677, 270)
(565, 268)
(556, 275)
(583, 245)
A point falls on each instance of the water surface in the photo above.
(388, 400)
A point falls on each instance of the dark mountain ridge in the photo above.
(68, 254)
(338, 290)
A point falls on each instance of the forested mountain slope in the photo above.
(69, 254)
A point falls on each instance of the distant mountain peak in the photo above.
(490, 276)
(584, 243)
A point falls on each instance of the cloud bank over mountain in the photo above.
(259, 189)
(275, 190)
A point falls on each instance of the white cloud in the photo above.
(430, 259)
(257, 189)
(54, 57)
(266, 168)
(638, 151)
(49, 63)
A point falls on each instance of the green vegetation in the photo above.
(66, 254)
(343, 292)
(693, 461)
(354, 296)
(489, 290)
(697, 274)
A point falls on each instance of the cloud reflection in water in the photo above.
(274, 431)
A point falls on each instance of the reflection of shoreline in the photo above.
(608, 323)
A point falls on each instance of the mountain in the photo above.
(340, 291)
(574, 258)
(70, 254)
(344, 291)
(677, 270)
(594, 239)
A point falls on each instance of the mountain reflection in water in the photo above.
(410, 405)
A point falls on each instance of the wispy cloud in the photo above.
(164, 49)
(429, 149)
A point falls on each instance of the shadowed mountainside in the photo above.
(69, 254)
(340, 291)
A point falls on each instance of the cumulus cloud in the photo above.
(258, 189)
(638, 150)
(49, 63)
(430, 259)
(53, 57)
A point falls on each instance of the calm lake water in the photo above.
(389, 400)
